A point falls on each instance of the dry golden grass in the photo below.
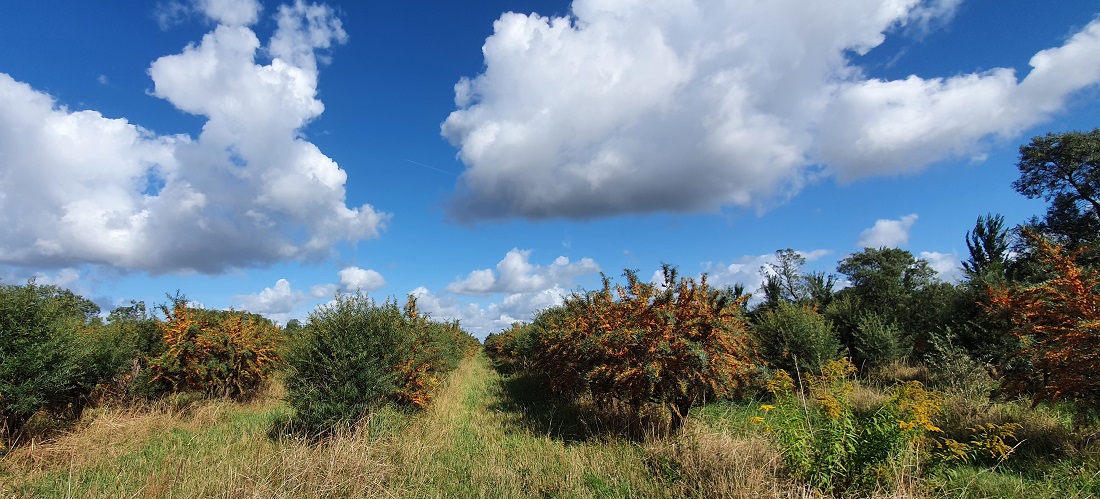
(472, 442)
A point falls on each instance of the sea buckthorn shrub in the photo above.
(642, 346)
(218, 353)
(355, 355)
(428, 351)
(1056, 323)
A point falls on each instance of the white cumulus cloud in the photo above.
(947, 265)
(355, 278)
(685, 105)
(277, 303)
(516, 274)
(77, 187)
(888, 233)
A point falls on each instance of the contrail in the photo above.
(429, 167)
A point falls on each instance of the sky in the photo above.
(492, 157)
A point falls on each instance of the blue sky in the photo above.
(492, 156)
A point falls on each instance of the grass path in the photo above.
(474, 444)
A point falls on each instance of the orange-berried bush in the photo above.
(217, 353)
(1058, 323)
(672, 346)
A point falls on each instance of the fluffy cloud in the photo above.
(65, 278)
(355, 278)
(480, 320)
(526, 289)
(472, 317)
(946, 265)
(684, 106)
(228, 12)
(749, 270)
(515, 274)
(78, 187)
(277, 303)
(888, 233)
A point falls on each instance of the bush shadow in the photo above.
(532, 407)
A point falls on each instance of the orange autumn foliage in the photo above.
(430, 351)
(218, 353)
(675, 346)
(1058, 323)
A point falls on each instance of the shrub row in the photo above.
(57, 353)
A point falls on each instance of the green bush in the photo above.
(53, 353)
(794, 337)
(875, 342)
(355, 355)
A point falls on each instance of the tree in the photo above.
(1064, 169)
(1057, 324)
(900, 289)
(884, 278)
(988, 245)
(784, 282)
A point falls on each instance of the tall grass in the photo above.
(474, 441)
(479, 438)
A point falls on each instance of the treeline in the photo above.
(58, 355)
(1022, 322)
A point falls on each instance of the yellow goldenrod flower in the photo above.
(767, 408)
(756, 420)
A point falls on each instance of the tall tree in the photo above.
(988, 245)
(902, 290)
(1064, 169)
(784, 282)
(884, 278)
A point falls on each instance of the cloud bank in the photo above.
(631, 106)
(77, 187)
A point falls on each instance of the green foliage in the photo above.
(883, 279)
(901, 290)
(988, 245)
(871, 340)
(1064, 169)
(343, 363)
(875, 342)
(794, 337)
(826, 441)
(355, 355)
(52, 354)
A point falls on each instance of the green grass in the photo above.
(485, 435)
